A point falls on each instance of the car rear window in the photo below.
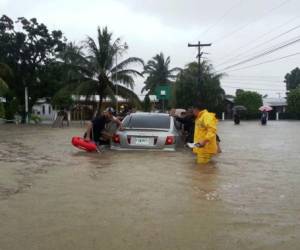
(147, 121)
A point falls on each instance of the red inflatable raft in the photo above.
(81, 143)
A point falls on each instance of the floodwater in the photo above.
(54, 197)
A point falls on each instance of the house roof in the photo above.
(97, 98)
(274, 102)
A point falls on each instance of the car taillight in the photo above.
(170, 140)
(116, 139)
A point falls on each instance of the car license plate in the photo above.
(141, 141)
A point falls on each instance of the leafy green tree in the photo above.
(11, 106)
(147, 104)
(27, 47)
(239, 91)
(293, 101)
(158, 73)
(3, 87)
(98, 73)
(62, 99)
(6, 75)
(61, 76)
(292, 79)
(2, 110)
(251, 100)
(187, 88)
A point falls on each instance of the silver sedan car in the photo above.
(147, 131)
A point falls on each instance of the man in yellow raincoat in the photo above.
(205, 134)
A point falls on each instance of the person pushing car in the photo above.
(96, 130)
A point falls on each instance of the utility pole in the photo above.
(199, 45)
(26, 106)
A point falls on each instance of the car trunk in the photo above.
(143, 138)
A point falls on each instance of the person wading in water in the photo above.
(205, 137)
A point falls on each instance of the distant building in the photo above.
(279, 106)
(44, 109)
(229, 103)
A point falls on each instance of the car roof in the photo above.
(149, 114)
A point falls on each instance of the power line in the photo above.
(265, 34)
(241, 87)
(256, 79)
(255, 76)
(270, 51)
(221, 18)
(265, 62)
(278, 84)
(260, 44)
(252, 21)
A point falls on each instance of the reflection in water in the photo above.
(53, 196)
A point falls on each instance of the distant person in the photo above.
(66, 118)
(97, 128)
(64, 115)
(264, 118)
(205, 137)
(236, 118)
(218, 144)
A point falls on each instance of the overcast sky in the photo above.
(238, 29)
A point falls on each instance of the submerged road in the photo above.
(54, 197)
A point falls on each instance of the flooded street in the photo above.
(53, 196)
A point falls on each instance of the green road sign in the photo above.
(163, 92)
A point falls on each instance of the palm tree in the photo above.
(99, 72)
(159, 73)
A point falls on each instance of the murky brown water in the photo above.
(55, 197)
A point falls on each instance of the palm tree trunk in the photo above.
(99, 106)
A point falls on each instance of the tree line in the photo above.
(49, 65)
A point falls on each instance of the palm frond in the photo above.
(125, 63)
(131, 72)
(126, 93)
(125, 79)
(175, 70)
(3, 87)
(88, 87)
(92, 48)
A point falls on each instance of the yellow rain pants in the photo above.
(203, 158)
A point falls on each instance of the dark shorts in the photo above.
(99, 141)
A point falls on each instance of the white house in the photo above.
(278, 104)
(44, 109)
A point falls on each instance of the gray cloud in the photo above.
(153, 26)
